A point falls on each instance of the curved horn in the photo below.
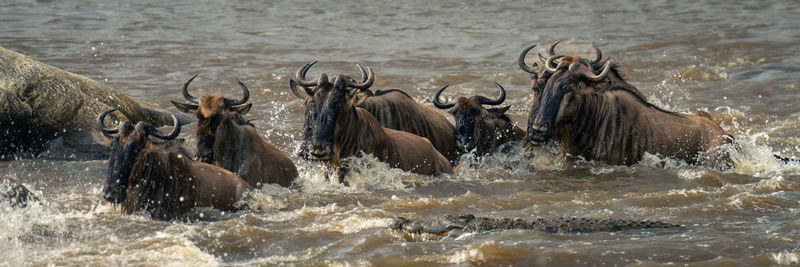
(597, 54)
(521, 59)
(300, 75)
(245, 96)
(591, 76)
(498, 101)
(549, 61)
(176, 129)
(100, 123)
(363, 73)
(185, 90)
(366, 81)
(552, 49)
(438, 103)
(542, 58)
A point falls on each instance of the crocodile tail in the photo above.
(586, 225)
(786, 160)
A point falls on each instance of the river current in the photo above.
(737, 61)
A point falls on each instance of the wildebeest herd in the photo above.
(583, 105)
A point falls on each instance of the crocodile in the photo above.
(454, 226)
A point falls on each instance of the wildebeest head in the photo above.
(476, 126)
(128, 142)
(210, 111)
(325, 101)
(555, 86)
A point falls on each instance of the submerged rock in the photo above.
(13, 192)
(48, 112)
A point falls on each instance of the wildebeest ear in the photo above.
(303, 92)
(499, 110)
(359, 96)
(242, 109)
(184, 107)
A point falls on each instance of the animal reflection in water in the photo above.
(226, 139)
(477, 128)
(588, 108)
(339, 128)
(454, 226)
(149, 171)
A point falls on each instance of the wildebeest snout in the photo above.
(114, 195)
(321, 152)
(538, 133)
(465, 144)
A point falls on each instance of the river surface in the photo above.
(738, 61)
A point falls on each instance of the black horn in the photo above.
(176, 129)
(552, 49)
(521, 59)
(597, 54)
(498, 101)
(300, 75)
(100, 123)
(186, 90)
(363, 73)
(366, 80)
(549, 62)
(577, 68)
(245, 96)
(438, 103)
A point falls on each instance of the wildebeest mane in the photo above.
(386, 91)
(616, 87)
(397, 114)
(160, 184)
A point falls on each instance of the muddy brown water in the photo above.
(738, 61)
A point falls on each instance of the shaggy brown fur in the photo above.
(159, 177)
(225, 139)
(394, 109)
(482, 129)
(338, 129)
(167, 184)
(357, 130)
(612, 122)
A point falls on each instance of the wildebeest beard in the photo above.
(159, 184)
(120, 164)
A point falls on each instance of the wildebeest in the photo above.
(339, 128)
(226, 139)
(394, 109)
(149, 171)
(479, 128)
(591, 112)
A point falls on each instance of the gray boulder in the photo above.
(48, 112)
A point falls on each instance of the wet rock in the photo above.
(13, 192)
(49, 112)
